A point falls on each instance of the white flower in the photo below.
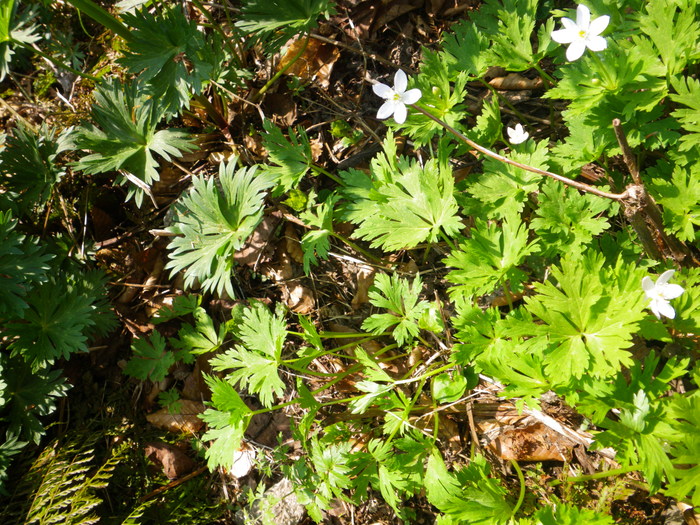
(582, 34)
(660, 293)
(517, 135)
(396, 98)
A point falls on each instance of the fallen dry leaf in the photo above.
(173, 462)
(184, 420)
(298, 298)
(516, 82)
(315, 63)
(258, 249)
(365, 278)
(293, 245)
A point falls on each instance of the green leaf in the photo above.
(316, 242)
(490, 258)
(469, 496)
(588, 318)
(125, 136)
(564, 514)
(677, 190)
(407, 207)
(255, 363)
(674, 30)
(227, 422)
(465, 50)
(503, 188)
(6, 9)
(568, 220)
(199, 339)
(22, 266)
(688, 94)
(171, 54)
(448, 388)
(276, 21)
(289, 159)
(54, 325)
(29, 171)
(181, 306)
(151, 359)
(212, 222)
(405, 309)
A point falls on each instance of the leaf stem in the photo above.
(570, 182)
(319, 169)
(101, 16)
(54, 61)
(373, 258)
(597, 475)
(282, 70)
(548, 79)
(521, 497)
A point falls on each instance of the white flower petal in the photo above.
(647, 284)
(400, 113)
(665, 309)
(575, 50)
(382, 90)
(564, 36)
(400, 81)
(583, 17)
(387, 109)
(570, 25)
(411, 96)
(671, 291)
(665, 277)
(598, 25)
(596, 43)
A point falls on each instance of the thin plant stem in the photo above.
(55, 61)
(521, 478)
(282, 70)
(215, 25)
(548, 79)
(504, 100)
(569, 182)
(597, 475)
(352, 245)
(322, 171)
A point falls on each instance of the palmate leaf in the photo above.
(124, 136)
(677, 189)
(227, 420)
(54, 325)
(402, 300)
(22, 265)
(567, 220)
(418, 205)
(28, 169)
(276, 21)
(255, 363)
(316, 242)
(172, 55)
(212, 222)
(29, 394)
(588, 317)
(490, 257)
(290, 159)
(467, 496)
(564, 514)
(503, 188)
(151, 358)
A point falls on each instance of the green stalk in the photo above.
(319, 169)
(55, 61)
(597, 475)
(521, 497)
(374, 259)
(101, 16)
(544, 75)
(282, 71)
